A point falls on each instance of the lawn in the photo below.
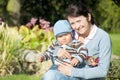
(115, 43)
(21, 77)
(115, 50)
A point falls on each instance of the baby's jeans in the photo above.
(54, 74)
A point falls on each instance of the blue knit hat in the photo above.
(62, 27)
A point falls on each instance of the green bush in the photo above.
(37, 39)
(13, 42)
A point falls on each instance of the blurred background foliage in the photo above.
(28, 26)
(15, 41)
(18, 12)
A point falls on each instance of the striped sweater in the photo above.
(75, 48)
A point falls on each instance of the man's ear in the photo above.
(89, 17)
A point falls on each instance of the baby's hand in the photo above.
(40, 59)
(74, 61)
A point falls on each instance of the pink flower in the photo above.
(29, 25)
(33, 21)
(44, 24)
(1, 20)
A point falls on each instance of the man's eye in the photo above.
(78, 21)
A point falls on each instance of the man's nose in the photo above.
(63, 37)
(76, 26)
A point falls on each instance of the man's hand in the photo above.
(65, 68)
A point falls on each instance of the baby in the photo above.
(64, 39)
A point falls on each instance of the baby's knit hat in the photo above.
(62, 27)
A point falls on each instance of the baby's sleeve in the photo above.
(82, 53)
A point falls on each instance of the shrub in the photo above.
(114, 71)
(14, 41)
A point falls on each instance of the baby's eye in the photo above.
(72, 23)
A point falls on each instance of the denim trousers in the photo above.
(54, 74)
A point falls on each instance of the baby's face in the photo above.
(64, 39)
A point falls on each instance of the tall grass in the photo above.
(9, 49)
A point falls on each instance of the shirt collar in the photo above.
(91, 35)
(92, 32)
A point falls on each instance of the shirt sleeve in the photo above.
(49, 52)
(82, 53)
(103, 65)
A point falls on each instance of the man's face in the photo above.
(80, 24)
